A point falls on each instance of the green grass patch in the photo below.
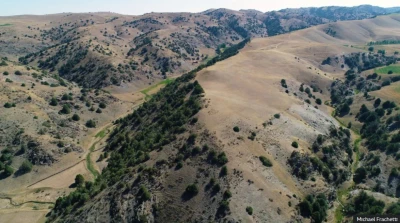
(89, 162)
(7, 24)
(384, 70)
(152, 87)
(101, 134)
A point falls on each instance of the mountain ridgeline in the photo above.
(102, 49)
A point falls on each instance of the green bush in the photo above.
(249, 210)
(99, 111)
(144, 193)
(318, 101)
(265, 161)
(76, 117)
(8, 105)
(277, 116)
(65, 110)
(360, 175)
(79, 180)
(53, 101)
(224, 171)
(295, 144)
(192, 190)
(25, 167)
(102, 105)
(91, 124)
(236, 129)
(8, 170)
(18, 72)
(5, 73)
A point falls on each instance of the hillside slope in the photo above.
(250, 148)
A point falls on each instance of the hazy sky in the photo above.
(137, 7)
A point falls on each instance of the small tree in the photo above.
(236, 129)
(99, 110)
(371, 49)
(18, 72)
(91, 124)
(377, 102)
(318, 101)
(7, 105)
(224, 171)
(65, 110)
(8, 170)
(102, 105)
(5, 73)
(144, 193)
(76, 117)
(295, 144)
(192, 190)
(265, 161)
(249, 210)
(79, 180)
(53, 101)
(25, 167)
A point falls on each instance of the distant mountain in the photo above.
(102, 49)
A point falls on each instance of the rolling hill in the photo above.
(251, 138)
(102, 49)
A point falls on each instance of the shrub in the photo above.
(277, 116)
(91, 124)
(76, 117)
(249, 210)
(192, 139)
(227, 194)
(386, 83)
(18, 72)
(8, 170)
(318, 101)
(216, 188)
(390, 72)
(377, 102)
(7, 105)
(283, 83)
(66, 97)
(224, 171)
(3, 63)
(8, 80)
(79, 180)
(25, 167)
(99, 110)
(102, 105)
(236, 129)
(65, 110)
(295, 144)
(5, 73)
(360, 175)
(53, 101)
(192, 190)
(265, 161)
(144, 193)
